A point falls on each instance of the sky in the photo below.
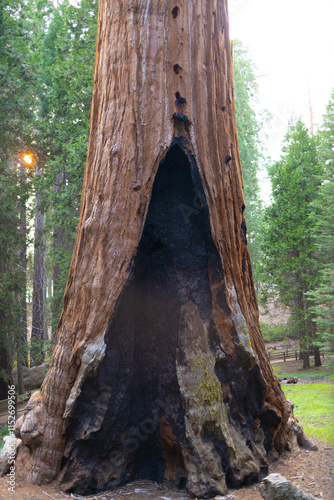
(291, 43)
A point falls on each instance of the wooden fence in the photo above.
(288, 354)
(19, 405)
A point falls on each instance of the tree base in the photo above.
(179, 394)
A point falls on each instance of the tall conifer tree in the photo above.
(249, 124)
(290, 265)
(323, 219)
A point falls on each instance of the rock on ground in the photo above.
(33, 377)
(276, 487)
(8, 453)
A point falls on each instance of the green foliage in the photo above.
(249, 124)
(322, 216)
(314, 408)
(42, 349)
(290, 267)
(4, 431)
(16, 80)
(66, 79)
(46, 78)
(275, 333)
(16, 95)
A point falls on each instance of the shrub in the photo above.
(275, 333)
(3, 432)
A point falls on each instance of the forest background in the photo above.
(47, 56)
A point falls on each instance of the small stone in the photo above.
(228, 497)
(277, 487)
(10, 448)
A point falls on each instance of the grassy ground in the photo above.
(313, 397)
(314, 408)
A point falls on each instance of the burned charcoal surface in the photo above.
(129, 421)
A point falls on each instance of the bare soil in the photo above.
(313, 375)
(313, 471)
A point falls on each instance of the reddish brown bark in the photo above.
(198, 398)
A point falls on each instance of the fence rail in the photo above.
(23, 398)
(288, 354)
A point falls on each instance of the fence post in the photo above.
(284, 356)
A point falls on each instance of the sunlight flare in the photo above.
(28, 159)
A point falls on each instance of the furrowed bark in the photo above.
(159, 369)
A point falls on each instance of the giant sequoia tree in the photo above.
(159, 368)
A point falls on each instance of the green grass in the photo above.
(3, 432)
(314, 408)
(275, 333)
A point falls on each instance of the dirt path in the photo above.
(310, 470)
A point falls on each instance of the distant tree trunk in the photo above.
(299, 315)
(22, 338)
(159, 369)
(38, 296)
(5, 369)
(305, 357)
(313, 334)
(58, 243)
(5, 350)
(317, 356)
(5, 344)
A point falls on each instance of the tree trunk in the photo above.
(159, 369)
(5, 371)
(313, 334)
(58, 243)
(21, 337)
(317, 356)
(305, 357)
(299, 313)
(22, 354)
(38, 296)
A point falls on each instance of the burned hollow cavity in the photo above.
(128, 422)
